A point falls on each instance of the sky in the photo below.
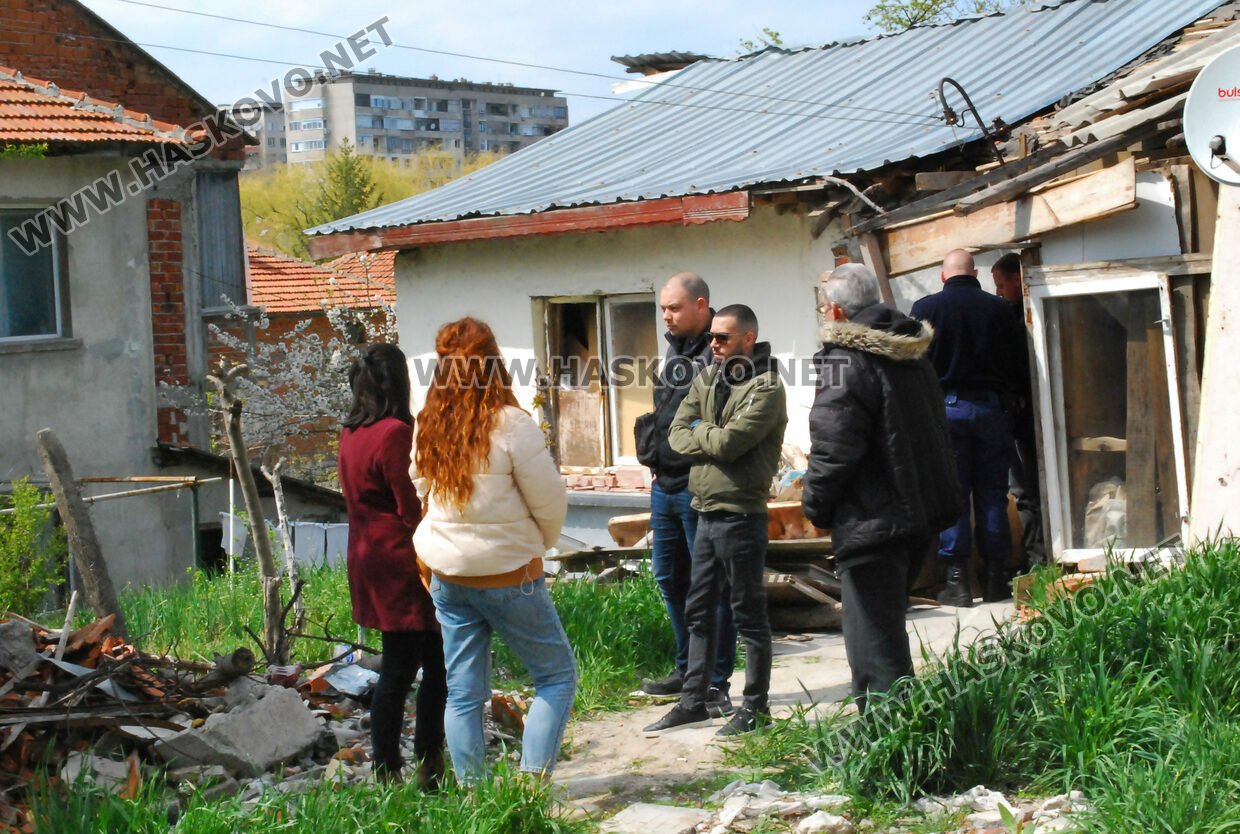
(563, 34)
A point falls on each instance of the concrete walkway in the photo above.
(609, 760)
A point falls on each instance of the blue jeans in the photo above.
(525, 617)
(673, 527)
(981, 435)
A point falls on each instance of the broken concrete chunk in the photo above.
(247, 741)
(645, 818)
(820, 822)
(16, 646)
(94, 770)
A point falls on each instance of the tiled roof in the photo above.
(286, 285)
(32, 110)
(375, 267)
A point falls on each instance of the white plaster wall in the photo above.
(1148, 231)
(768, 262)
(98, 396)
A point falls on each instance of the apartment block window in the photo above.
(308, 145)
(312, 124)
(294, 125)
(450, 125)
(361, 99)
(561, 112)
(379, 101)
(305, 104)
(31, 301)
(221, 240)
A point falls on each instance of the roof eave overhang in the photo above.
(689, 210)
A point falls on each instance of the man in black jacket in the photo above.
(881, 474)
(685, 305)
(976, 347)
(1023, 480)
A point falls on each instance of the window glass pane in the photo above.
(1118, 463)
(219, 235)
(27, 284)
(634, 344)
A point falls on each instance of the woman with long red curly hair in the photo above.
(494, 503)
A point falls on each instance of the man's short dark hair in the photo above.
(1009, 264)
(745, 318)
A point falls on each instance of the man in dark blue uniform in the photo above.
(975, 348)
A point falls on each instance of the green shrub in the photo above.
(32, 553)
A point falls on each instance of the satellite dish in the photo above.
(1212, 118)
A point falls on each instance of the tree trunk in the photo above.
(275, 647)
(286, 537)
(83, 543)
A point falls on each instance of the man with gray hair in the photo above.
(881, 476)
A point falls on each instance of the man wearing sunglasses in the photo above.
(732, 423)
(684, 303)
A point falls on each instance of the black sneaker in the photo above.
(718, 703)
(677, 718)
(744, 720)
(671, 685)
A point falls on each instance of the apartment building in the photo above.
(394, 117)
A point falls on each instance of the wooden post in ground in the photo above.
(1216, 472)
(275, 645)
(83, 543)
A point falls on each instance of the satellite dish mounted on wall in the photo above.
(1212, 118)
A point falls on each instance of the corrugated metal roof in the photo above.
(32, 110)
(780, 116)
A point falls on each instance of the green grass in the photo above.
(508, 804)
(1129, 691)
(619, 631)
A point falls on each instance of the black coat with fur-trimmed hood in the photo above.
(881, 469)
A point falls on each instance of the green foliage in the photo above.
(348, 187)
(279, 202)
(509, 804)
(619, 634)
(36, 150)
(898, 15)
(1128, 690)
(767, 37)
(32, 553)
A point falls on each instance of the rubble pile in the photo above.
(983, 811)
(88, 706)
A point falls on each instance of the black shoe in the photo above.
(677, 718)
(718, 703)
(671, 685)
(998, 588)
(957, 591)
(744, 721)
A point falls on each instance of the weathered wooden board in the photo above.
(1091, 197)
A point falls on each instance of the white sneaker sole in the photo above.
(656, 733)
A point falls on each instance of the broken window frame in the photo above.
(1050, 287)
(609, 428)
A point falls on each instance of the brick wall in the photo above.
(62, 41)
(166, 259)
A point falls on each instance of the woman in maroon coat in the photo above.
(384, 579)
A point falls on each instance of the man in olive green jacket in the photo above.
(732, 425)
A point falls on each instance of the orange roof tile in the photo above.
(32, 110)
(286, 285)
(378, 267)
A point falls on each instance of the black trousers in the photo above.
(875, 597)
(730, 548)
(404, 652)
(1026, 488)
